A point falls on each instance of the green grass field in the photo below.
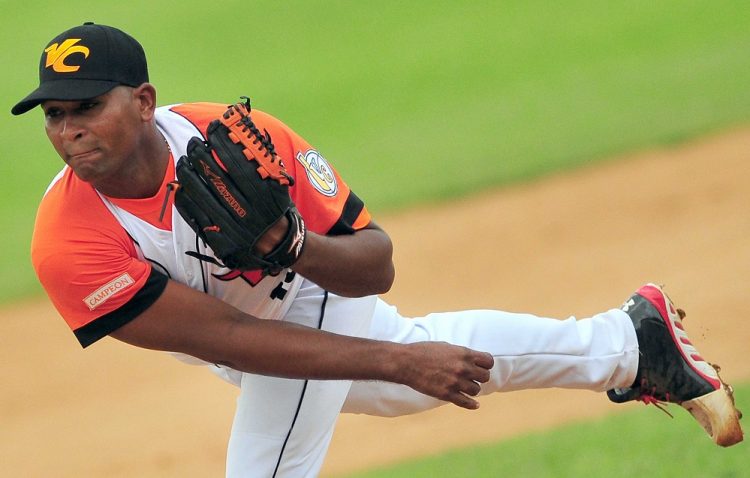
(637, 442)
(412, 101)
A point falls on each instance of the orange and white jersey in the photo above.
(103, 261)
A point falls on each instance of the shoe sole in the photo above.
(714, 411)
(717, 415)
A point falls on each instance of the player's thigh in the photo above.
(382, 398)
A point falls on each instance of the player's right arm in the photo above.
(188, 321)
(91, 271)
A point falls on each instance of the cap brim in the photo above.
(63, 90)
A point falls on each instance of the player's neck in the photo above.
(142, 176)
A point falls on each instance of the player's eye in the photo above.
(87, 105)
(52, 113)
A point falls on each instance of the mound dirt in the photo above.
(572, 244)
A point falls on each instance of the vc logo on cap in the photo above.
(57, 53)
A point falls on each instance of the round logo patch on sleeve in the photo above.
(319, 172)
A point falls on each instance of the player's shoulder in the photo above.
(65, 195)
(200, 114)
(71, 211)
(193, 111)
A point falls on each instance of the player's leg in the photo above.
(596, 353)
(283, 427)
(643, 347)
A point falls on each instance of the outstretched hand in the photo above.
(447, 372)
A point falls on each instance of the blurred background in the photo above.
(423, 107)
(412, 103)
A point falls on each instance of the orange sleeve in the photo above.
(321, 195)
(84, 259)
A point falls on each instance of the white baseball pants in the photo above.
(282, 427)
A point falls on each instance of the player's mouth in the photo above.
(83, 155)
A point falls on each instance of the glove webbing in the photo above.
(258, 146)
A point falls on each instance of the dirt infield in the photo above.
(572, 244)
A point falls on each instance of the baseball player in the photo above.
(220, 235)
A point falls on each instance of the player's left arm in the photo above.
(351, 265)
(345, 251)
(319, 227)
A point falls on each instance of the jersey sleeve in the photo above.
(326, 202)
(87, 263)
(322, 197)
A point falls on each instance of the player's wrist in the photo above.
(396, 363)
(269, 241)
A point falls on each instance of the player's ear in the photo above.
(145, 98)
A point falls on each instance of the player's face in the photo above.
(96, 137)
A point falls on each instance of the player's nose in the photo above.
(70, 129)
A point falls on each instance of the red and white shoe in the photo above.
(671, 370)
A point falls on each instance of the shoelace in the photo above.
(651, 400)
(647, 395)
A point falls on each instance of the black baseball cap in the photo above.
(84, 62)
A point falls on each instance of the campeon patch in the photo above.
(103, 293)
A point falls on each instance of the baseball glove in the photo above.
(232, 188)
